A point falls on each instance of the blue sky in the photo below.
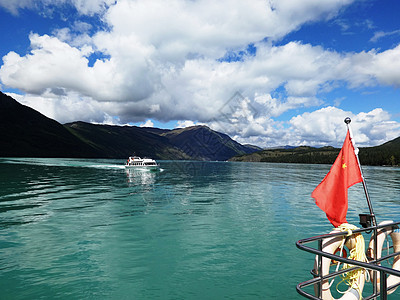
(268, 73)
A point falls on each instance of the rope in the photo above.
(357, 253)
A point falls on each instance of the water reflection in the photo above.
(141, 176)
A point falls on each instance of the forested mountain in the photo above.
(200, 142)
(123, 141)
(25, 132)
(385, 154)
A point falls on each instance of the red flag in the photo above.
(331, 194)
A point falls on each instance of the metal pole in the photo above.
(383, 286)
(371, 211)
(375, 273)
(319, 266)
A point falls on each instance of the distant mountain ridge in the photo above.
(387, 154)
(24, 132)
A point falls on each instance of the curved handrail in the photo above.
(373, 265)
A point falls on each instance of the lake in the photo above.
(88, 229)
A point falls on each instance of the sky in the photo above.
(265, 72)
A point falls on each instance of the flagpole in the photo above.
(371, 211)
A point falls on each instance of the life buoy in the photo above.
(331, 245)
(382, 235)
(341, 252)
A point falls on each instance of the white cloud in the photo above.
(160, 60)
(51, 65)
(386, 67)
(84, 7)
(90, 7)
(14, 6)
(381, 34)
(185, 123)
(148, 123)
(326, 127)
(64, 109)
(179, 29)
(164, 53)
(323, 126)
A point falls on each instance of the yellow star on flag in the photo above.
(344, 166)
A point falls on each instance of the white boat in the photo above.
(140, 163)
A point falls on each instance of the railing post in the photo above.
(383, 285)
(319, 286)
(375, 253)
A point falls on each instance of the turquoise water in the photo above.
(87, 229)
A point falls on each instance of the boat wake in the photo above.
(62, 162)
(121, 167)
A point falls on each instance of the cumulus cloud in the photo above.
(185, 123)
(326, 126)
(84, 7)
(65, 109)
(148, 123)
(51, 64)
(386, 67)
(168, 61)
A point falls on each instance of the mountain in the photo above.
(302, 154)
(123, 141)
(25, 132)
(385, 154)
(202, 143)
(196, 142)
